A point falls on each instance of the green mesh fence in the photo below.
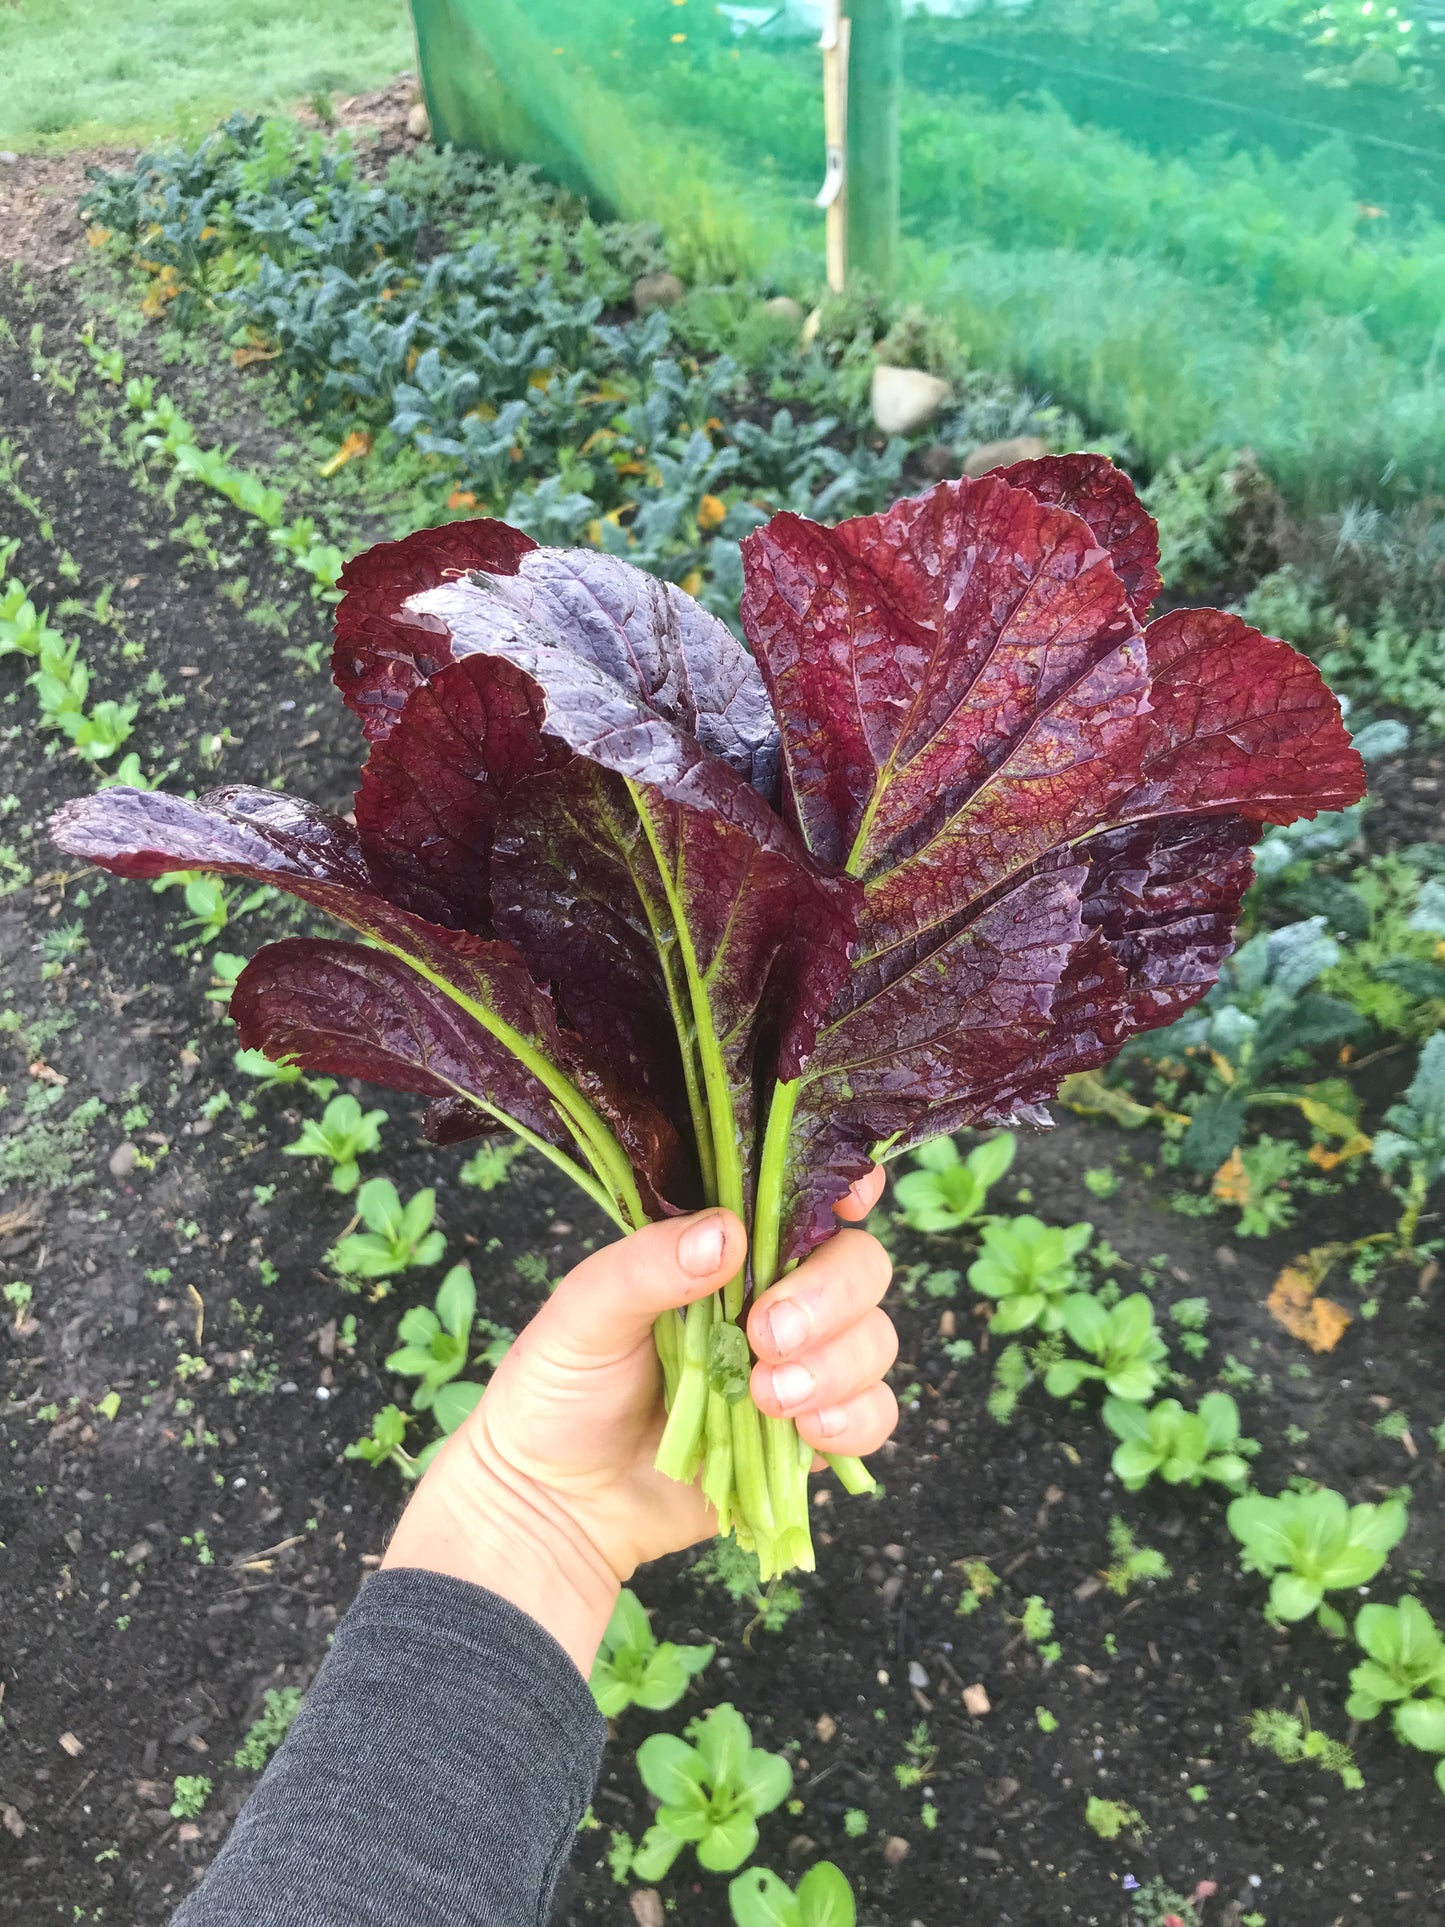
(1201, 222)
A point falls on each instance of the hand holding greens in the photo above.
(709, 926)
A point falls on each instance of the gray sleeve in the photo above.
(435, 1774)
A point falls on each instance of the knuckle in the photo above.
(874, 1264)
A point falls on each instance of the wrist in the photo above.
(475, 1518)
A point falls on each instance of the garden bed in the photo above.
(182, 1531)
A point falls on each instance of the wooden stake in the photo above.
(833, 195)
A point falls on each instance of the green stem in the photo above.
(682, 1436)
(667, 1332)
(717, 1473)
(726, 1151)
(585, 1122)
(852, 1474)
(595, 1189)
(687, 1043)
(750, 1478)
(1414, 1205)
(772, 1168)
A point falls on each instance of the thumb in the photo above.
(606, 1305)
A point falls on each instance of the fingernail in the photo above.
(831, 1420)
(788, 1326)
(700, 1248)
(792, 1385)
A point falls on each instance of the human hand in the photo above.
(548, 1494)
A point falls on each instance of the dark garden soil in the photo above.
(162, 1568)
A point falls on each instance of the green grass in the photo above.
(78, 73)
(1195, 302)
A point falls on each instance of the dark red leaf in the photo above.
(970, 716)
(1103, 497)
(565, 891)
(349, 1011)
(1159, 905)
(658, 646)
(898, 1052)
(383, 648)
(276, 839)
(1242, 722)
(911, 655)
(431, 789)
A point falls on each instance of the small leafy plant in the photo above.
(1036, 1623)
(1028, 1266)
(1132, 1563)
(1404, 1669)
(1182, 1448)
(1263, 1010)
(435, 1342)
(635, 1668)
(269, 1728)
(706, 923)
(385, 1443)
(189, 1796)
(1125, 1349)
(946, 1191)
(712, 1793)
(1294, 1742)
(1110, 1818)
(822, 1898)
(1311, 1543)
(342, 1134)
(398, 1237)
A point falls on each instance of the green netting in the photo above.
(1202, 222)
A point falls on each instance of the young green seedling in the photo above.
(1311, 1543)
(434, 1344)
(276, 1073)
(383, 1444)
(1133, 1563)
(1110, 1818)
(189, 1795)
(1182, 1448)
(226, 967)
(1028, 1266)
(1123, 1344)
(635, 1668)
(343, 1133)
(397, 1238)
(269, 1728)
(1294, 1742)
(711, 1792)
(946, 1191)
(490, 1164)
(1405, 1669)
(23, 628)
(102, 731)
(822, 1898)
